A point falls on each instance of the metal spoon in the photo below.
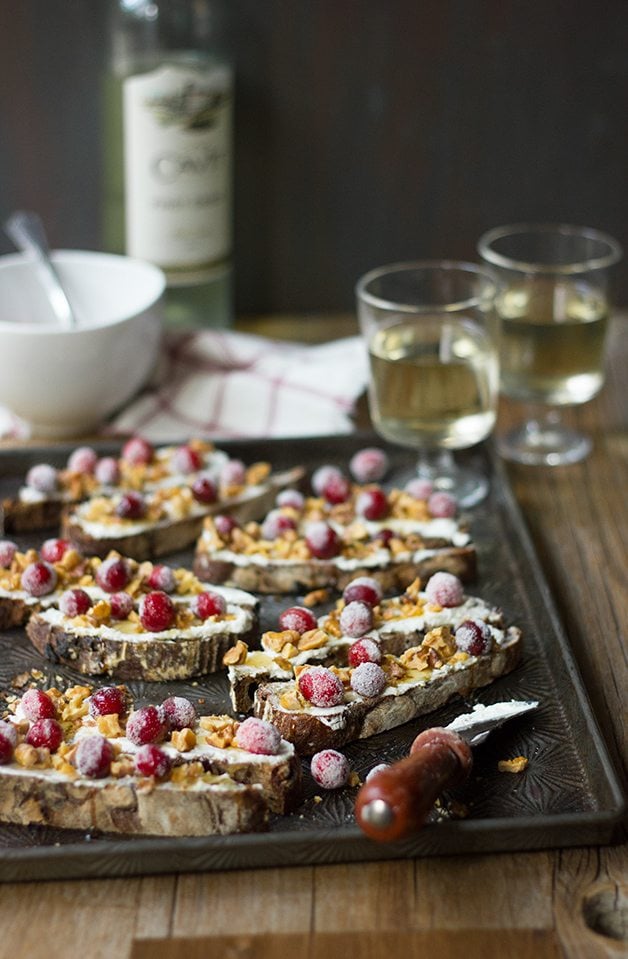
(27, 232)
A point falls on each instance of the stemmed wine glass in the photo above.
(553, 307)
(429, 327)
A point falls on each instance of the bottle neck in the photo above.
(143, 31)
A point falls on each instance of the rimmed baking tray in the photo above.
(568, 795)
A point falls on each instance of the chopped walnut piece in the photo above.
(122, 767)
(186, 774)
(315, 597)
(516, 765)
(312, 639)
(109, 725)
(236, 655)
(442, 640)
(289, 651)
(183, 739)
(257, 473)
(277, 641)
(26, 755)
(291, 700)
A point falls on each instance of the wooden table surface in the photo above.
(562, 902)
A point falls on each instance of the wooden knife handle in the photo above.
(438, 759)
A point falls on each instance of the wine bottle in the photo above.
(168, 147)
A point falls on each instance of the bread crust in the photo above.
(23, 517)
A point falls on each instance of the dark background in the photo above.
(366, 130)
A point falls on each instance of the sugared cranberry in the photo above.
(330, 769)
(225, 525)
(37, 705)
(366, 589)
(121, 605)
(146, 725)
(298, 618)
(321, 476)
(321, 687)
(364, 651)
(8, 549)
(290, 497)
(112, 575)
(93, 757)
(106, 701)
(185, 459)
(137, 451)
(75, 602)
(180, 713)
(150, 760)
(8, 742)
(233, 473)
(276, 523)
(43, 478)
(444, 589)
(162, 577)
(107, 471)
(384, 537)
(131, 505)
(39, 579)
(53, 550)
(376, 769)
(45, 732)
(83, 460)
(368, 680)
(473, 636)
(442, 505)
(157, 612)
(356, 619)
(204, 489)
(322, 540)
(372, 503)
(419, 488)
(369, 465)
(258, 736)
(209, 604)
(336, 489)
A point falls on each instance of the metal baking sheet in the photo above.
(568, 795)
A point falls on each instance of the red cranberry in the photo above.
(37, 705)
(8, 550)
(107, 700)
(372, 503)
(146, 725)
(83, 460)
(157, 612)
(162, 577)
(368, 680)
(179, 712)
(298, 618)
(107, 471)
(321, 687)
(186, 460)
(364, 589)
(364, 651)
(330, 769)
(356, 619)
(112, 575)
(473, 637)
(369, 465)
(233, 473)
(276, 523)
(384, 537)
(39, 579)
(75, 602)
(121, 605)
(45, 732)
(8, 742)
(137, 451)
(322, 540)
(131, 505)
(150, 760)
(204, 489)
(337, 489)
(93, 757)
(444, 589)
(442, 505)
(43, 478)
(321, 475)
(259, 737)
(209, 604)
(53, 550)
(225, 525)
(290, 497)
(419, 488)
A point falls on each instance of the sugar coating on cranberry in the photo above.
(150, 760)
(37, 705)
(157, 611)
(75, 602)
(322, 540)
(364, 651)
(112, 575)
(204, 489)
(106, 701)
(121, 605)
(366, 589)
(321, 687)
(162, 577)
(45, 732)
(298, 618)
(368, 680)
(233, 473)
(131, 505)
(442, 505)
(376, 769)
(8, 742)
(39, 579)
(83, 460)
(356, 619)
(107, 471)
(330, 769)
(336, 489)
(372, 503)
(321, 475)
(137, 451)
(146, 725)
(290, 497)
(179, 712)
(53, 550)
(225, 524)
(43, 478)
(276, 524)
(186, 460)
(8, 549)
(444, 589)
(473, 636)
(369, 465)
(209, 604)
(93, 757)
(258, 736)
(419, 488)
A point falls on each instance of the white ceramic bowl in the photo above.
(65, 382)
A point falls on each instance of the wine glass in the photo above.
(429, 327)
(553, 307)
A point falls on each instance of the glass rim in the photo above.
(491, 256)
(406, 266)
